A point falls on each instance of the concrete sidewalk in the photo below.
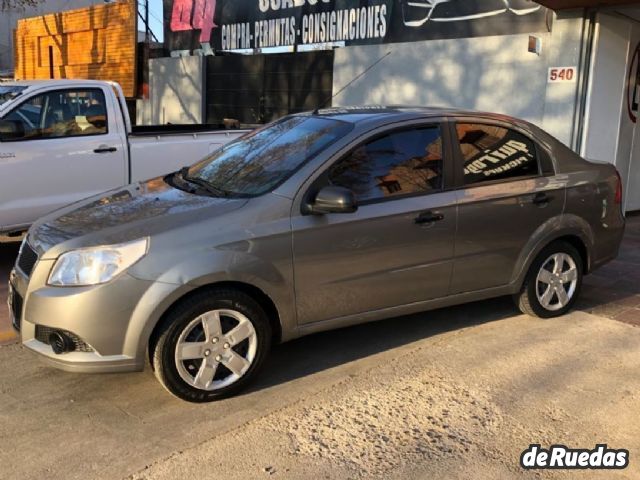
(614, 290)
(459, 405)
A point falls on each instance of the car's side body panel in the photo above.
(374, 259)
(495, 223)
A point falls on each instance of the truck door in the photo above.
(66, 147)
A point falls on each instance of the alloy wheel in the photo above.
(216, 349)
(557, 281)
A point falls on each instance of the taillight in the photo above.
(618, 198)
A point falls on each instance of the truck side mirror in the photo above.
(11, 130)
(333, 199)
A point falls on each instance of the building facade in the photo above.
(9, 20)
(569, 66)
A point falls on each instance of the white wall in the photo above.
(494, 73)
(606, 88)
(175, 92)
(561, 98)
(487, 73)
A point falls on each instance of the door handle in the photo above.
(428, 217)
(541, 199)
(105, 149)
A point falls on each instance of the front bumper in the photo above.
(114, 319)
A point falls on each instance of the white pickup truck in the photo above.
(64, 140)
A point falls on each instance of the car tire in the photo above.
(212, 345)
(541, 294)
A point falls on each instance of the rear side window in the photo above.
(401, 163)
(494, 153)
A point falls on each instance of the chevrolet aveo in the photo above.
(314, 222)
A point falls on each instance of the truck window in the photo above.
(61, 113)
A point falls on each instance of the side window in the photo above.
(401, 163)
(64, 113)
(495, 153)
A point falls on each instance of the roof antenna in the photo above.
(322, 105)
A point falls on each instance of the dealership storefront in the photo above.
(573, 72)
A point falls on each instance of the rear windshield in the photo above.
(9, 92)
(260, 161)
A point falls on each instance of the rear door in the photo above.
(397, 248)
(68, 148)
(507, 191)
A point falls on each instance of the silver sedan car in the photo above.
(316, 221)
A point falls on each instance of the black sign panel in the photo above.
(262, 88)
(203, 27)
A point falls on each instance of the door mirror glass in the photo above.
(334, 200)
(11, 130)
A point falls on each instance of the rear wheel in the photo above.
(213, 345)
(553, 282)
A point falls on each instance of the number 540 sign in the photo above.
(562, 74)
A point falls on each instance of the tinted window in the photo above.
(495, 153)
(258, 162)
(61, 114)
(400, 163)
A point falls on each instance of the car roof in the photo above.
(363, 113)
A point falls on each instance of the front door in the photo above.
(397, 248)
(68, 148)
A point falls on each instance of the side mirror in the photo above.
(11, 129)
(333, 200)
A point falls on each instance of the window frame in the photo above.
(60, 90)
(448, 167)
(543, 158)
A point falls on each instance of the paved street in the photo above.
(455, 393)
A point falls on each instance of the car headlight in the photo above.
(96, 265)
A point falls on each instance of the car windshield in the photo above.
(260, 161)
(9, 92)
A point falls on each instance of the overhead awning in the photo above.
(567, 4)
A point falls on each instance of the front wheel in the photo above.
(553, 282)
(213, 345)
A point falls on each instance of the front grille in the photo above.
(16, 309)
(42, 335)
(27, 259)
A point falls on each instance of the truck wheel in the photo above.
(553, 282)
(213, 345)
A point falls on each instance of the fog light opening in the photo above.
(61, 343)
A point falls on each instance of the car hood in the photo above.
(125, 214)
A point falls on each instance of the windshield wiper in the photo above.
(207, 186)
